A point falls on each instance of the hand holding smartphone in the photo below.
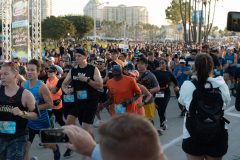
(52, 136)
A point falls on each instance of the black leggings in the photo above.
(58, 115)
(161, 107)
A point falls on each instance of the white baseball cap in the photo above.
(182, 61)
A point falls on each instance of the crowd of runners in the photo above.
(71, 85)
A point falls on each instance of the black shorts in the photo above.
(32, 134)
(102, 97)
(67, 109)
(85, 112)
(216, 150)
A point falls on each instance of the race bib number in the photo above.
(82, 95)
(8, 127)
(119, 109)
(68, 98)
(159, 95)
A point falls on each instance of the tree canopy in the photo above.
(173, 12)
(57, 28)
(83, 24)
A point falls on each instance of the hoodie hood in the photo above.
(217, 82)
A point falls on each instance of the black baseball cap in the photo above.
(143, 59)
(81, 51)
(52, 69)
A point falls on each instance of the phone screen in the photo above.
(53, 136)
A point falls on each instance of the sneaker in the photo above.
(163, 127)
(159, 132)
(57, 154)
(68, 153)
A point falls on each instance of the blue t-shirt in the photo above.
(183, 77)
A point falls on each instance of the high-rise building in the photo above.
(46, 8)
(132, 15)
(136, 15)
(94, 9)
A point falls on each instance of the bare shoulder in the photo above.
(27, 98)
(27, 95)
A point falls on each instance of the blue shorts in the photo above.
(13, 149)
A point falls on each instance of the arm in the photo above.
(146, 93)
(58, 86)
(97, 83)
(188, 71)
(81, 141)
(29, 102)
(66, 82)
(173, 79)
(137, 93)
(21, 79)
(110, 99)
(154, 90)
(156, 87)
(235, 59)
(45, 93)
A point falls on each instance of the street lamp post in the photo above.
(95, 18)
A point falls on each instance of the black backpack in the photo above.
(204, 120)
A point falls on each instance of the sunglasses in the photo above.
(51, 71)
(99, 63)
(162, 62)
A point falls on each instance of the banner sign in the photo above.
(123, 46)
(20, 30)
(196, 16)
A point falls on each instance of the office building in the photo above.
(132, 15)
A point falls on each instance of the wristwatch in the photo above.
(88, 80)
(24, 114)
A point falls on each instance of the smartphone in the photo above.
(53, 136)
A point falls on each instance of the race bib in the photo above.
(68, 98)
(229, 61)
(191, 63)
(82, 95)
(8, 127)
(159, 95)
(119, 109)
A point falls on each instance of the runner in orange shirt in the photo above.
(123, 91)
(56, 95)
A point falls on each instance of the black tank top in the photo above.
(7, 119)
(78, 85)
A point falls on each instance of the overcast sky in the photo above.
(156, 8)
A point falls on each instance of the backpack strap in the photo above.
(195, 82)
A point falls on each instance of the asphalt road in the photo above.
(170, 140)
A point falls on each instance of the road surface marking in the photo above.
(178, 139)
(172, 142)
(229, 109)
(233, 114)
